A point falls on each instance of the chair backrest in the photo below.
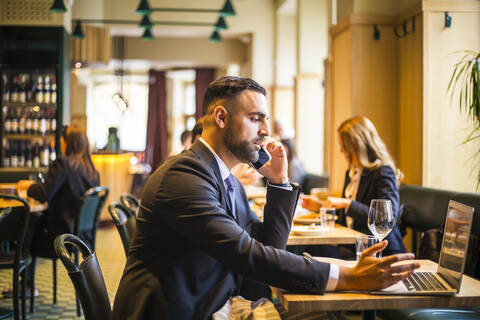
(130, 202)
(125, 222)
(314, 181)
(14, 225)
(86, 277)
(88, 215)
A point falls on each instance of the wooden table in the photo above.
(468, 297)
(338, 235)
(35, 206)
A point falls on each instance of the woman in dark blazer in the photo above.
(67, 180)
(372, 174)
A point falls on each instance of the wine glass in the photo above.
(380, 219)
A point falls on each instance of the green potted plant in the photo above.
(466, 74)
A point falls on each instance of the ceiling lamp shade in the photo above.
(144, 8)
(77, 32)
(146, 23)
(215, 37)
(147, 35)
(221, 24)
(58, 7)
(227, 10)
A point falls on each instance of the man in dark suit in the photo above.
(196, 236)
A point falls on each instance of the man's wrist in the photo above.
(279, 181)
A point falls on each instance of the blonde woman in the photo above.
(372, 174)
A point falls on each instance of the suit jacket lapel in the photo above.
(362, 186)
(206, 155)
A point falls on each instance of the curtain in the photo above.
(203, 77)
(156, 151)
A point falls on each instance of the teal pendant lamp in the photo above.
(144, 8)
(147, 35)
(146, 23)
(215, 37)
(77, 32)
(227, 10)
(221, 24)
(58, 7)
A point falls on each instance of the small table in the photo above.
(468, 297)
(338, 235)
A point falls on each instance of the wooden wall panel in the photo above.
(95, 47)
(342, 60)
(375, 81)
(410, 101)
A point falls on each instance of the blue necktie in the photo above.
(231, 193)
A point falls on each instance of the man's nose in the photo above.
(264, 129)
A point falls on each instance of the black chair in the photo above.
(86, 223)
(86, 277)
(314, 181)
(14, 224)
(130, 202)
(125, 222)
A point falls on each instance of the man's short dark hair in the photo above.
(227, 88)
(197, 130)
(185, 135)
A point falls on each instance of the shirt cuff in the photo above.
(285, 186)
(333, 277)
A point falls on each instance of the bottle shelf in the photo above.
(18, 136)
(28, 104)
(23, 169)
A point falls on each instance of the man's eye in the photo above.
(255, 119)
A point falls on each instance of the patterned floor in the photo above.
(112, 259)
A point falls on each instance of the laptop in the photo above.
(453, 255)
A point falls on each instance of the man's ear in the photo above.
(220, 114)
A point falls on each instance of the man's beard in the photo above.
(244, 151)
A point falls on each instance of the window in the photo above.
(103, 112)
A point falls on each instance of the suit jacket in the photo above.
(188, 250)
(63, 188)
(380, 183)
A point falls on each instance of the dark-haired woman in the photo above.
(67, 180)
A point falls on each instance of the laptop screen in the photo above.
(455, 242)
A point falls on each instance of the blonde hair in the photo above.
(360, 140)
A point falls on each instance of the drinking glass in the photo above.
(364, 242)
(380, 218)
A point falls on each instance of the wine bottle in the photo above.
(44, 155)
(8, 121)
(53, 153)
(6, 155)
(28, 122)
(39, 90)
(14, 121)
(13, 154)
(22, 95)
(14, 90)
(43, 123)
(54, 91)
(21, 154)
(46, 90)
(35, 122)
(36, 156)
(6, 89)
(29, 156)
(21, 122)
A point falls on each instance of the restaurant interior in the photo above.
(132, 74)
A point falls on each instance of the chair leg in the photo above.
(54, 264)
(24, 275)
(33, 268)
(16, 309)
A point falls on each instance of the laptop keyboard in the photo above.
(423, 281)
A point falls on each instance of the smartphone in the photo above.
(263, 158)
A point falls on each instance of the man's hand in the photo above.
(371, 273)
(276, 171)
